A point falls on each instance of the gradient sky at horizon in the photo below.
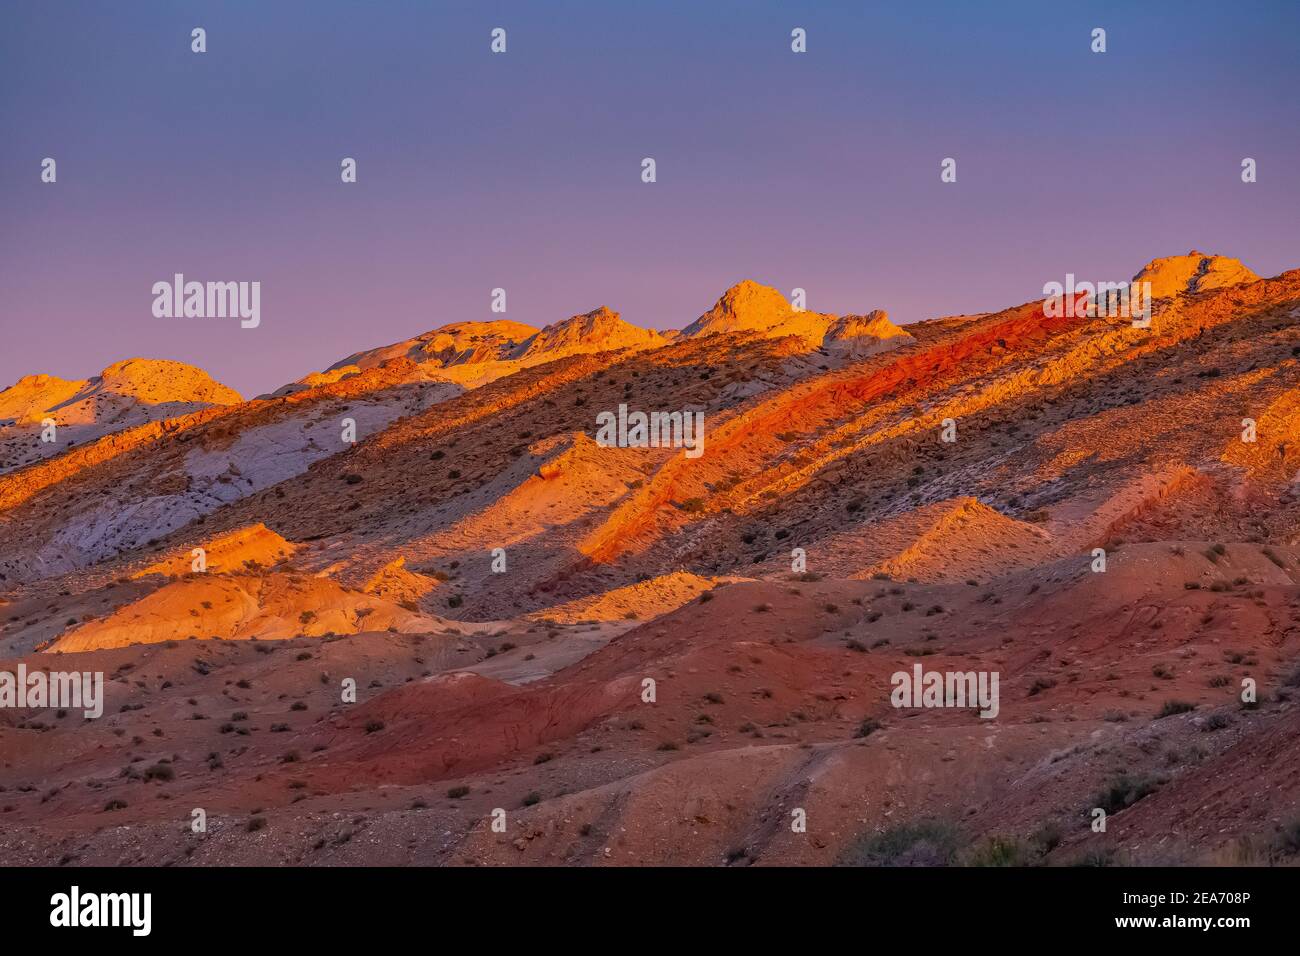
(476, 170)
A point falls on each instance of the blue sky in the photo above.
(522, 170)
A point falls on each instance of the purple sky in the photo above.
(522, 170)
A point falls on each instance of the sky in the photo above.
(522, 170)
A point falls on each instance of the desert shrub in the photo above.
(1000, 851)
(1124, 791)
(1040, 685)
(1099, 856)
(924, 843)
(1216, 722)
(1287, 842)
(1048, 837)
(868, 727)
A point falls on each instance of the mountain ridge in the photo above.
(1107, 516)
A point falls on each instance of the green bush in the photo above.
(924, 843)
(1124, 791)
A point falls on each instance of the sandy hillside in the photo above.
(427, 592)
